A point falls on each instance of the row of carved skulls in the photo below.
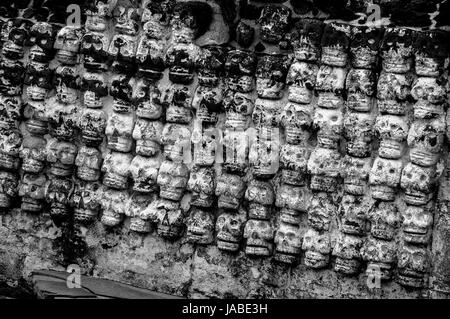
(260, 233)
(325, 165)
(328, 76)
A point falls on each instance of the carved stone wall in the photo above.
(259, 149)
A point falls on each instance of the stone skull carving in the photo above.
(301, 79)
(202, 184)
(296, 119)
(37, 118)
(355, 173)
(392, 92)
(144, 172)
(361, 87)
(235, 151)
(397, 49)
(238, 108)
(418, 183)
(230, 229)
(57, 194)
(137, 205)
(206, 146)
(10, 142)
(306, 39)
(42, 39)
(335, 43)
(321, 211)
(413, 266)
(67, 82)
(147, 135)
(381, 255)
(293, 164)
(124, 43)
(178, 99)
(63, 119)
(288, 243)
(176, 141)
(114, 204)
(88, 162)
(330, 123)
(150, 51)
(92, 124)
(274, 22)
(330, 84)
(264, 156)
(230, 190)
(384, 220)
(119, 132)
(94, 47)
(180, 59)
(211, 64)
(95, 89)
(85, 200)
(430, 53)
(393, 131)
(169, 218)
(11, 77)
(207, 102)
(353, 216)
(317, 247)
(324, 165)
(425, 139)
(126, 20)
(347, 251)
(259, 236)
(122, 90)
(417, 224)
(261, 197)
(292, 199)
(240, 68)
(10, 112)
(9, 183)
(172, 180)
(364, 46)
(38, 78)
(384, 178)
(358, 129)
(271, 72)
(61, 155)
(147, 98)
(32, 191)
(266, 113)
(67, 44)
(429, 89)
(200, 226)
(33, 154)
(17, 32)
(116, 167)
(97, 14)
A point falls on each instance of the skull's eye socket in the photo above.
(433, 141)
(234, 222)
(334, 118)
